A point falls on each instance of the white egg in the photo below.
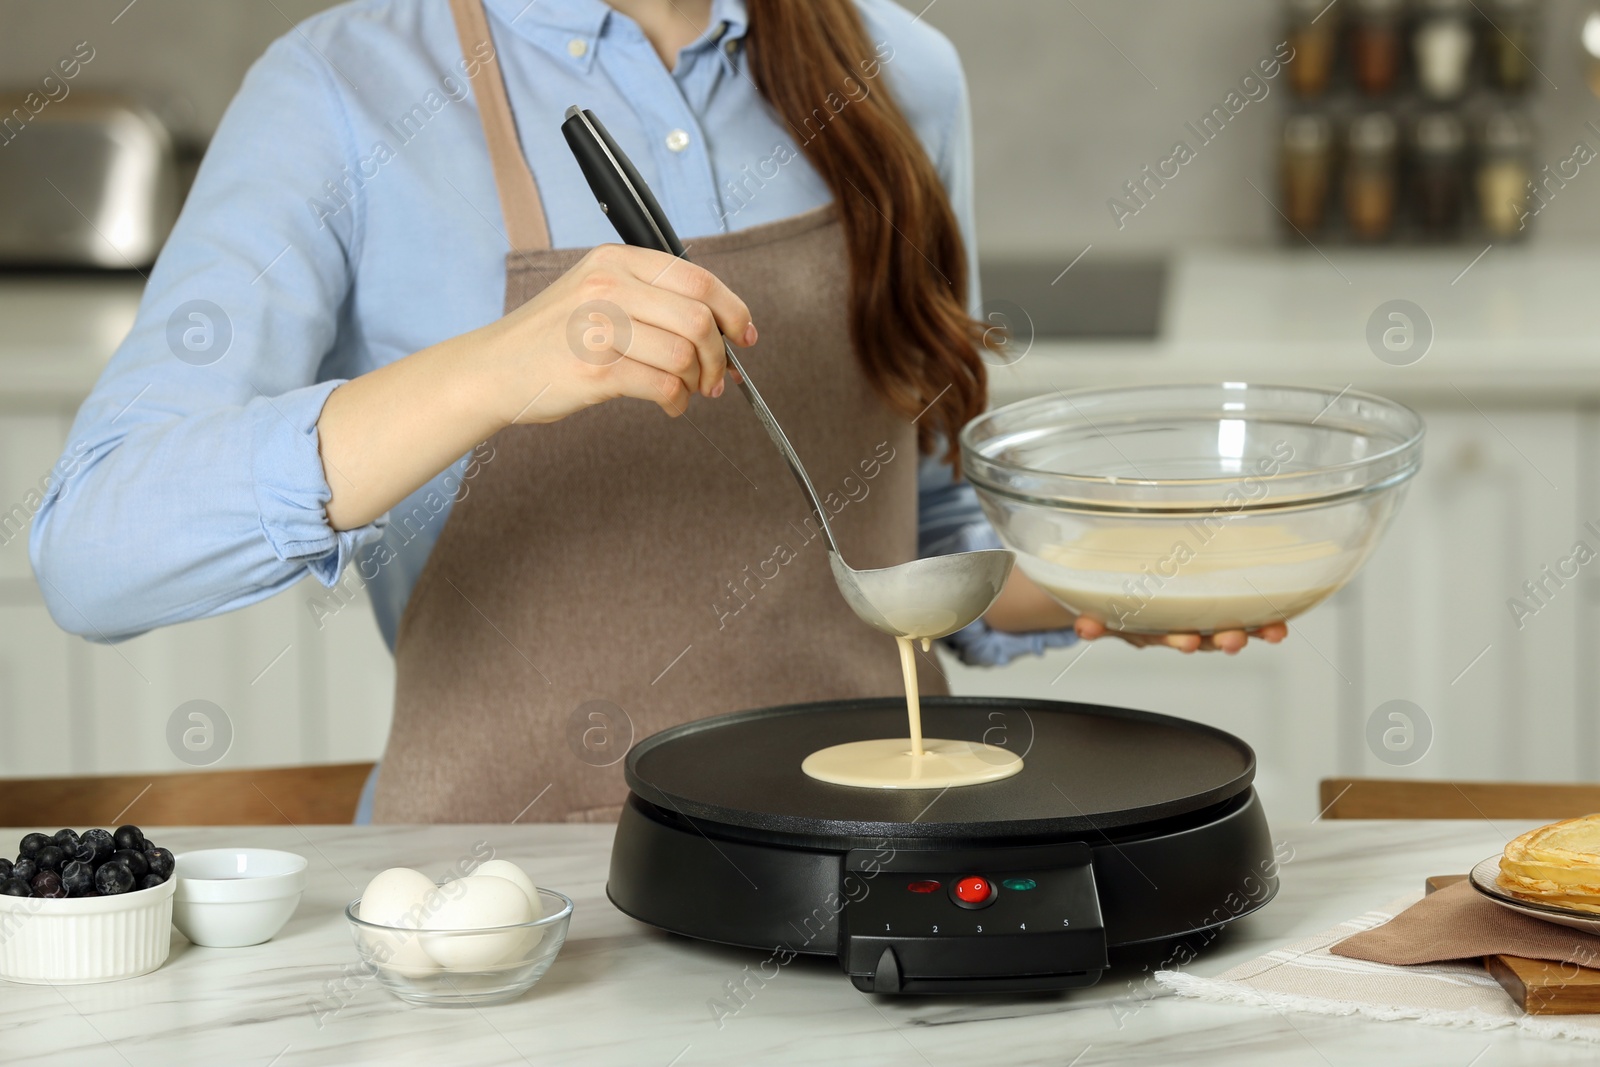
(518, 877)
(399, 952)
(392, 894)
(398, 897)
(477, 903)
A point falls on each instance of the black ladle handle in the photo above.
(623, 194)
(639, 220)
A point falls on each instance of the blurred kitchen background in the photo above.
(1385, 162)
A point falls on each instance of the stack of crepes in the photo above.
(1557, 864)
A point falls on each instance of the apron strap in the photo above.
(519, 196)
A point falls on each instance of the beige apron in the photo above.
(620, 572)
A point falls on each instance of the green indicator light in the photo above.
(1020, 883)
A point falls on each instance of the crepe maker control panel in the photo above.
(958, 920)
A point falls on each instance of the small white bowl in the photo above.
(232, 897)
(74, 940)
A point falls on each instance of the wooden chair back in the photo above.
(1411, 798)
(269, 796)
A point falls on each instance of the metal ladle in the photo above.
(925, 598)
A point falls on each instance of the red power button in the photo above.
(973, 891)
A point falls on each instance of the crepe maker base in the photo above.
(1140, 834)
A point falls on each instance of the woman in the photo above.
(387, 308)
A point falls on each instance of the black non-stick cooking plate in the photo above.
(1086, 769)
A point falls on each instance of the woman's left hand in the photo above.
(1229, 641)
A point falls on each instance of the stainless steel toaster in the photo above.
(86, 181)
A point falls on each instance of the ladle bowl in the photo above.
(925, 598)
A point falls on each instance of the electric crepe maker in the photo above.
(1126, 835)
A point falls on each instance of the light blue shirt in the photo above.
(346, 216)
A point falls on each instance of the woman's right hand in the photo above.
(624, 322)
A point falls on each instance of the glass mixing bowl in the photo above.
(462, 968)
(1193, 508)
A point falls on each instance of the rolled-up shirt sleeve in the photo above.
(192, 482)
(952, 520)
(292, 489)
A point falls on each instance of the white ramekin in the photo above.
(232, 897)
(85, 939)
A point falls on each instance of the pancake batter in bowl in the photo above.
(911, 763)
(1189, 578)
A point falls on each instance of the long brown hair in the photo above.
(815, 65)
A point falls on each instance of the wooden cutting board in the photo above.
(1542, 987)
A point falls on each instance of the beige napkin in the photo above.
(1459, 923)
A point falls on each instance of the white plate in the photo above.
(1484, 879)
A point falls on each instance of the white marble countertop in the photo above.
(621, 993)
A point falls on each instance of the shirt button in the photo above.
(732, 47)
(577, 48)
(678, 140)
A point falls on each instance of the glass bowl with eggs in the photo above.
(485, 938)
(1193, 508)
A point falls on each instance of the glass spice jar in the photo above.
(1441, 42)
(1375, 45)
(1306, 171)
(1439, 176)
(1314, 36)
(1505, 170)
(1370, 176)
(1510, 42)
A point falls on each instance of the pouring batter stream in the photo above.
(911, 762)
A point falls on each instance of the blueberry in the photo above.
(78, 877)
(48, 884)
(5, 868)
(160, 861)
(49, 858)
(15, 887)
(33, 843)
(135, 861)
(129, 837)
(24, 869)
(65, 840)
(112, 878)
(150, 881)
(82, 851)
(102, 842)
